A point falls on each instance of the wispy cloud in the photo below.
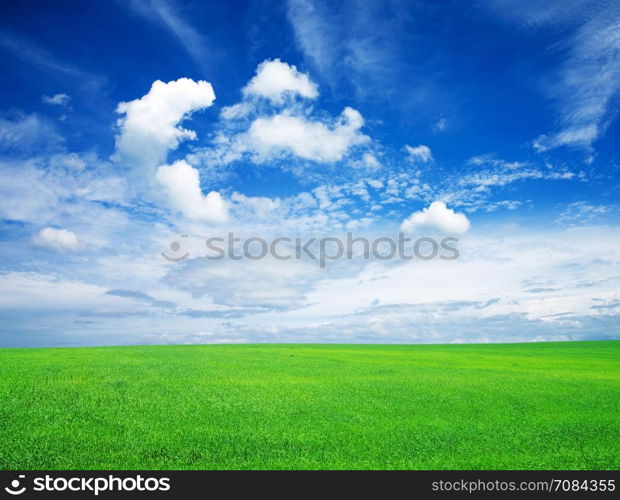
(583, 213)
(314, 34)
(587, 81)
(350, 41)
(56, 100)
(168, 14)
(42, 59)
(483, 177)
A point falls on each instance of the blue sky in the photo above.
(124, 125)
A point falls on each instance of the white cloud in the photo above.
(150, 128)
(437, 216)
(505, 305)
(58, 99)
(182, 184)
(236, 111)
(582, 213)
(533, 13)
(27, 133)
(46, 190)
(491, 161)
(578, 135)
(556, 293)
(311, 140)
(493, 178)
(275, 79)
(32, 291)
(252, 129)
(59, 240)
(369, 160)
(260, 206)
(440, 125)
(482, 176)
(254, 283)
(419, 153)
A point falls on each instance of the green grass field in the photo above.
(519, 406)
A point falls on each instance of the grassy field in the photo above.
(520, 406)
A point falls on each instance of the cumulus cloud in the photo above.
(182, 184)
(311, 140)
(277, 127)
(437, 216)
(59, 240)
(57, 100)
(275, 79)
(150, 127)
(369, 160)
(419, 153)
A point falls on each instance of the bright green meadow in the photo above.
(511, 406)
